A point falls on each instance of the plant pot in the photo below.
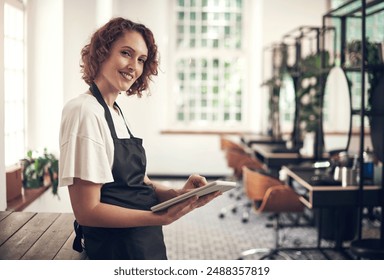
(13, 183)
(33, 183)
(354, 59)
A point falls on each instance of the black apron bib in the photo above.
(128, 190)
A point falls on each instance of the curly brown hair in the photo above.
(97, 51)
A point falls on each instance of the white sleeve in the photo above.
(83, 158)
(86, 146)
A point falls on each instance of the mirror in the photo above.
(287, 104)
(377, 119)
(336, 111)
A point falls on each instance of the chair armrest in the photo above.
(279, 199)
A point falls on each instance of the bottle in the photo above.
(368, 165)
(356, 169)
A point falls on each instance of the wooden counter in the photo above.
(37, 236)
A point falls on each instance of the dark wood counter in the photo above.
(275, 156)
(250, 139)
(314, 196)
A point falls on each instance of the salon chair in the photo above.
(269, 195)
(371, 249)
(236, 160)
(228, 144)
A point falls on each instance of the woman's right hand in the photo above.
(178, 210)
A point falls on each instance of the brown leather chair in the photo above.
(270, 195)
(256, 183)
(236, 160)
(236, 157)
(226, 143)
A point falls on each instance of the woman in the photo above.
(103, 164)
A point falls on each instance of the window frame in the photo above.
(175, 126)
(19, 5)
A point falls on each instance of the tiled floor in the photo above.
(203, 235)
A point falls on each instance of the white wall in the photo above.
(3, 200)
(58, 29)
(79, 23)
(281, 17)
(45, 72)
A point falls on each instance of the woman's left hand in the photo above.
(194, 181)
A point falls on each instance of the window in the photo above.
(209, 63)
(14, 77)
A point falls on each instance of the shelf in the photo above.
(373, 8)
(377, 68)
(367, 113)
(301, 32)
(356, 112)
(28, 196)
(353, 9)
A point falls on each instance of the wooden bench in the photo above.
(37, 236)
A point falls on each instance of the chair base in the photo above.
(372, 249)
(268, 254)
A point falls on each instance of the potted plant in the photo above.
(40, 170)
(309, 90)
(372, 57)
(353, 51)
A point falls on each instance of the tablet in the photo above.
(214, 186)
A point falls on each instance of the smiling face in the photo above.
(124, 65)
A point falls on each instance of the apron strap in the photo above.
(121, 112)
(77, 242)
(96, 93)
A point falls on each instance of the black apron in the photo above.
(128, 190)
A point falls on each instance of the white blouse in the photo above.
(86, 145)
